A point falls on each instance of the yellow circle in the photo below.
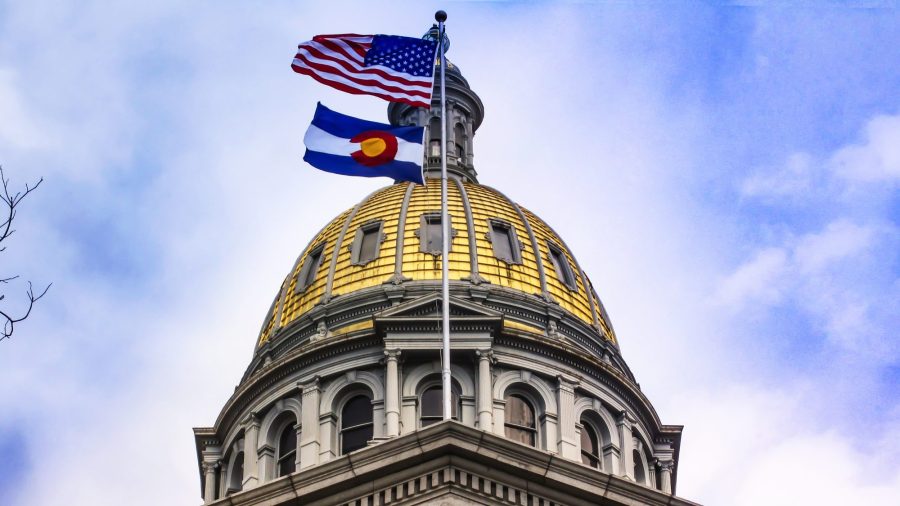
(373, 146)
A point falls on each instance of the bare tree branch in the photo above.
(12, 201)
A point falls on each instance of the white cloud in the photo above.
(840, 240)
(758, 280)
(798, 176)
(875, 160)
(17, 128)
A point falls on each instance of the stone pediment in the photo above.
(429, 306)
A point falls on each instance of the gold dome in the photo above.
(472, 207)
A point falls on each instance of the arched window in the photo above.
(287, 450)
(459, 136)
(590, 449)
(236, 481)
(434, 133)
(639, 475)
(356, 424)
(519, 424)
(432, 408)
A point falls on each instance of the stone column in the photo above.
(209, 489)
(266, 456)
(309, 436)
(485, 385)
(251, 459)
(565, 393)
(392, 393)
(626, 443)
(665, 472)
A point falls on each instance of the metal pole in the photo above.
(440, 17)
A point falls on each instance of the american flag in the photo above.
(397, 69)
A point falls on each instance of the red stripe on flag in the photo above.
(326, 70)
(357, 91)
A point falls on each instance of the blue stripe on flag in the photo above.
(345, 165)
(341, 125)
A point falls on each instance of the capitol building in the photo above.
(341, 401)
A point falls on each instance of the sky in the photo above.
(726, 174)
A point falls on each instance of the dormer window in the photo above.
(367, 243)
(310, 268)
(430, 232)
(504, 241)
(561, 265)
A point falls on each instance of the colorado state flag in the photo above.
(354, 147)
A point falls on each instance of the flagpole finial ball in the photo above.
(440, 16)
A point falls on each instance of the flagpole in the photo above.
(440, 17)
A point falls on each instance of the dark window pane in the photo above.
(520, 435)
(287, 466)
(288, 442)
(519, 420)
(287, 451)
(433, 405)
(589, 448)
(502, 242)
(354, 439)
(368, 247)
(431, 402)
(310, 268)
(433, 233)
(588, 440)
(357, 411)
(519, 412)
(561, 264)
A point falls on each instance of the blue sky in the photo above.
(727, 175)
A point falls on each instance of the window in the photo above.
(434, 133)
(432, 408)
(639, 475)
(590, 451)
(430, 233)
(356, 424)
(459, 137)
(366, 244)
(310, 267)
(503, 240)
(519, 424)
(287, 450)
(561, 265)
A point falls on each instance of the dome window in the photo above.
(561, 265)
(504, 241)
(310, 268)
(367, 243)
(590, 450)
(519, 423)
(287, 450)
(432, 409)
(356, 424)
(430, 232)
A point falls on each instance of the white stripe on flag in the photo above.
(416, 84)
(319, 140)
(369, 89)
